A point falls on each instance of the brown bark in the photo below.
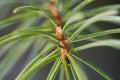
(62, 39)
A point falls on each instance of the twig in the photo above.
(60, 35)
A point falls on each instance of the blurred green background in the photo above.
(106, 58)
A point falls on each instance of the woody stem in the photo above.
(60, 35)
